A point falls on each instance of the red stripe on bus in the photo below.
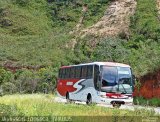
(63, 88)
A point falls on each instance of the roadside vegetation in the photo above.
(34, 38)
(147, 102)
(35, 41)
(44, 105)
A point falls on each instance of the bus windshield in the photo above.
(116, 79)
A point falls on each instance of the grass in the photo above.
(147, 102)
(30, 33)
(44, 105)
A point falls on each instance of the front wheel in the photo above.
(67, 98)
(116, 105)
(89, 100)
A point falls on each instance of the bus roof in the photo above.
(100, 63)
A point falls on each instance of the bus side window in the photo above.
(60, 73)
(84, 72)
(72, 72)
(68, 73)
(89, 71)
(65, 73)
(78, 71)
(96, 77)
(75, 74)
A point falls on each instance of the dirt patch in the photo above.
(158, 6)
(150, 86)
(13, 66)
(116, 19)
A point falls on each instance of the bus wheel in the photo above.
(89, 99)
(67, 98)
(116, 105)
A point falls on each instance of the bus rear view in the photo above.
(97, 82)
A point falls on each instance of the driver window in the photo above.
(109, 76)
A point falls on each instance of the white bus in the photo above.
(97, 82)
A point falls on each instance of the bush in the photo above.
(111, 49)
(9, 88)
(145, 21)
(22, 2)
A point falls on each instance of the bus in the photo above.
(98, 82)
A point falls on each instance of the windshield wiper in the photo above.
(122, 86)
(124, 90)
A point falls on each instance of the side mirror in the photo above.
(134, 79)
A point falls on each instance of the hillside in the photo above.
(39, 36)
(34, 32)
(116, 19)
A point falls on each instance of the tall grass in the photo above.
(44, 105)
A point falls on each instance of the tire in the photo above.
(89, 99)
(67, 98)
(116, 105)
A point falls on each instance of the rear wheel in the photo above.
(89, 99)
(67, 98)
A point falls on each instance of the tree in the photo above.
(111, 49)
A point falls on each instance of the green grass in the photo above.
(31, 19)
(30, 33)
(44, 105)
(147, 102)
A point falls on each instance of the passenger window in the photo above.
(96, 77)
(60, 73)
(72, 72)
(84, 72)
(89, 71)
(78, 72)
(63, 73)
(68, 73)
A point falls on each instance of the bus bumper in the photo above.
(128, 101)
